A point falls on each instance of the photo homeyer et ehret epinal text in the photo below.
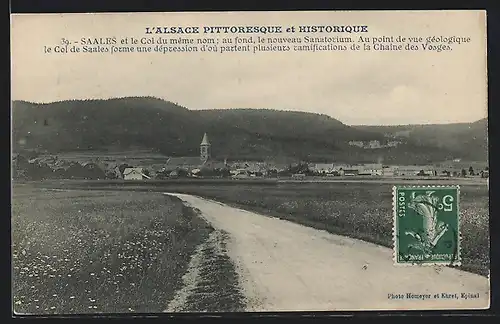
(302, 170)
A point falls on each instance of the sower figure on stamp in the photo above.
(427, 206)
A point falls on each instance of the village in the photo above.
(148, 167)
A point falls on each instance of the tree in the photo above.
(471, 171)
(464, 173)
(225, 172)
(272, 173)
(299, 168)
(207, 172)
(110, 174)
(93, 171)
(20, 166)
(162, 174)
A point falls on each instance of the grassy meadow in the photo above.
(99, 251)
(124, 247)
(361, 210)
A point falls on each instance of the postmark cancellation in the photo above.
(426, 225)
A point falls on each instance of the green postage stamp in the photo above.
(426, 225)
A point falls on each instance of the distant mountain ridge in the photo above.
(469, 138)
(173, 130)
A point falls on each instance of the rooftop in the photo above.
(205, 141)
(184, 161)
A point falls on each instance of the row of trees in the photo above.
(470, 172)
(303, 168)
(183, 173)
(23, 170)
(39, 170)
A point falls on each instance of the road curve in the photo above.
(284, 266)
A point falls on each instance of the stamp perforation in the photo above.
(457, 257)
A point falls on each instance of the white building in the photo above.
(321, 167)
(375, 144)
(356, 143)
(134, 174)
(374, 169)
(413, 170)
(389, 170)
(393, 143)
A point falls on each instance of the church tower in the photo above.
(205, 149)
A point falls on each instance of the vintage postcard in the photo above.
(249, 162)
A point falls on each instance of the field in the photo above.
(356, 208)
(77, 252)
(71, 249)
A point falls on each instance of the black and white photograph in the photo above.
(208, 162)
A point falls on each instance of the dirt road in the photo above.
(288, 267)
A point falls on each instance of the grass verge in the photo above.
(211, 283)
(84, 252)
(358, 210)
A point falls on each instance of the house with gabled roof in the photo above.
(321, 167)
(371, 169)
(134, 174)
(413, 170)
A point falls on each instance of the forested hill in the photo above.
(470, 139)
(165, 127)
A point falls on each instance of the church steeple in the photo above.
(205, 149)
(205, 141)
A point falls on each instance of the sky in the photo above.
(363, 87)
